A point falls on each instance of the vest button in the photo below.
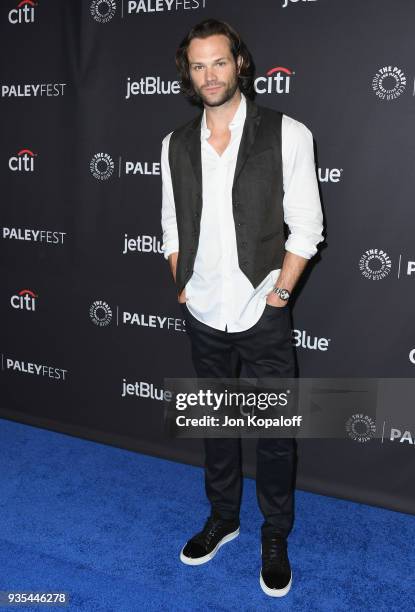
(244, 244)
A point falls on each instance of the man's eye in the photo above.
(221, 63)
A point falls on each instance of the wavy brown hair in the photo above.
(206, 28)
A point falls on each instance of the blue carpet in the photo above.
(106, 526)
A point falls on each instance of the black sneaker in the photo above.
(205, 544)
(275, 577)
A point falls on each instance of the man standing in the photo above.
(231, 177)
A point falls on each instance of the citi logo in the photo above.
(24, 300)
(303, 339)
(277, 80)
(287, 2)
(142, 244)
(329, 176)
(24, 13)
(150, 86)
(24, 161)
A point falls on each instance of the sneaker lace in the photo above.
(209, 530)
(274, 551)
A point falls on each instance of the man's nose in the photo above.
(210, 74)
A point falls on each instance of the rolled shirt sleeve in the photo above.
(302, 206)
(168, 208)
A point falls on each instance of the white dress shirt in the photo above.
(219, 294)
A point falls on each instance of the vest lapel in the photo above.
(195, 150)
(251, 124)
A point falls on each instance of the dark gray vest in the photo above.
(257, 194)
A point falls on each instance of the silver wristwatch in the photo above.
(283, 293)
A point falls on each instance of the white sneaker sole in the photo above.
(209, 556)
(274, 592)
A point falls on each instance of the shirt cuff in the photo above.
(170, 247)
(301, 246)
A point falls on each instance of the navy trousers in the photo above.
(265, 350)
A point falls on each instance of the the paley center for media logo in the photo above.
(375, 264)
(100, 313)
(104, 11)
(389, 83)
(360, 427)
(102, 167)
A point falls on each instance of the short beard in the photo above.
(227, 95)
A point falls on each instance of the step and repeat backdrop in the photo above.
(90, 325)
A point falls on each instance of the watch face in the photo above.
(284, 294)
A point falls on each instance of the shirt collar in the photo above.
(238, 119)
